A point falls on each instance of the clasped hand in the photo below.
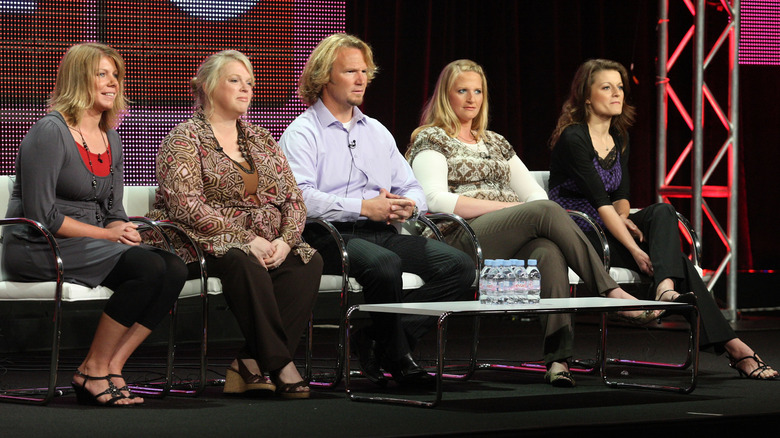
(387, 207)
(271, 254)
(124, 232)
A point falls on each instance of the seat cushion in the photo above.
(44, 291)
(620, 275)
(333, 283)
(192, 287)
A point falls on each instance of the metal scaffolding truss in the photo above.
(699, 190)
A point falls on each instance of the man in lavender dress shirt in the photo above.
(351, 173)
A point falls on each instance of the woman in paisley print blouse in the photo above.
(473, 172)
(589, 172)
(228, 185)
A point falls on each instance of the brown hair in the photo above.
(576, 111)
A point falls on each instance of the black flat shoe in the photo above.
(368, 352)
(407, 371)
(84, 397)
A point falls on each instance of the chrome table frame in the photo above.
(444, 310)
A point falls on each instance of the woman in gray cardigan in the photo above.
(69, 178)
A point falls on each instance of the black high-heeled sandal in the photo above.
(84, 397)
(761, 366)
(125, 388)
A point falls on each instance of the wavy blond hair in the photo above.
(438, 111)
(316, 72)
(210, 70)
(576, 111)
(74, 90)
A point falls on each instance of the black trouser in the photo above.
(272, 307)
(146, 284)
(378, 255)
(658, 223)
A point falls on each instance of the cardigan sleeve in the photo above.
(574, 155)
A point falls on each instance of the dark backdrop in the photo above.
(530, 50)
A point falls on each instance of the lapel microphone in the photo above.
(352, 144)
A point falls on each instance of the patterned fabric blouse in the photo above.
(470, 172)
(201, 191)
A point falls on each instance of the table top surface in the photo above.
(548, 305)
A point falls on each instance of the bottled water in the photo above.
(521, 286)
(510, 291)
(501, 280)
(490, 282)
(534, 282)
(486, 283)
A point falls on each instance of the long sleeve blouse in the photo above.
(201, 191)
(447, 169)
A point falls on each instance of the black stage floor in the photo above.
(493, 403)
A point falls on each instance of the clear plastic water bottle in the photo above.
(501, 281)
(510, 292)
(486, 282)
(534, 282)
(521, 280)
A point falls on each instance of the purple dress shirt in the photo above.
(336, 169)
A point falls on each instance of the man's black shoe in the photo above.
(407, 371)
(368, 352)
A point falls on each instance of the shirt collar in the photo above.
(327, 119)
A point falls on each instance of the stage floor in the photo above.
(494, 403)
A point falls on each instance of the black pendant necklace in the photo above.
(98, 214)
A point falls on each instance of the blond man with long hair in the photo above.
(351, 173)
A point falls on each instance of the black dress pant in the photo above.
(378, 255)
(658, 223)
(272, 307)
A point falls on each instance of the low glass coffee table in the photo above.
(603, 306)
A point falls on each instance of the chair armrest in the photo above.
(599, 232)
(50, 240)
(690, 235)
(340, 244)
(431, 218)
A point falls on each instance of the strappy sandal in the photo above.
(290, 390)
(125, 388)
(644, 318)
(241, 380)
(561, 379)
(84, 397)
(756, 373)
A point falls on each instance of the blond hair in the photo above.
(439, 113)
(316, 72)
(210, 70)
(74, 89)
(576, 111)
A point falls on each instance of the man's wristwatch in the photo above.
(415, 214)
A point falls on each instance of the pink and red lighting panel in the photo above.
(162, 42)
(759, 39)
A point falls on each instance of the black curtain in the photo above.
(530, 50)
